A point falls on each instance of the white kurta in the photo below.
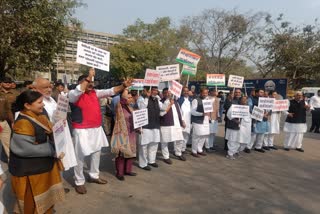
(50, 106)
(295, 127)
(172, 133)
(186, 114)
(275, 123)
(199, 129)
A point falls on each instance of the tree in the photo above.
(220, 37)
(33, 32)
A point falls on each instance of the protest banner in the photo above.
(216, 79)
(151, 78)
(168, 72)
(188, 58)
(137, 84)
(266, 103)
(239, 111)
(140, 118)
(235, 81)
(62, 108)
(187, 70)
(63, 144)
(92, 56)
(257, 113)
(175, 88)
(281, 105)
(207, 106)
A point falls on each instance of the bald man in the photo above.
(43, 86)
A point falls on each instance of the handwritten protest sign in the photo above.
(175, 88)
(235, 81)
(137, 84)
(62, 108)
(281, 105)
(187, 70)
(151, 78)
(140, 118)
(216, 79)
(188, 58)
(257, 113)
(92, 56)
(266, 103)
(239, 111)
(168, 72)
(207, 106)
(63, 144)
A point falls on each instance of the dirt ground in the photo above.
(273, 182)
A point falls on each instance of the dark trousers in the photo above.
(315, 120)
(123, 165)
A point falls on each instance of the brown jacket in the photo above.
(10, 95)
(216, 106)
(5, 109)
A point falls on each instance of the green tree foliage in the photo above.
(33, 32)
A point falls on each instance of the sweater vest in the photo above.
(299, 112)
(153, 114)
(88, 110)
(167, 119)
(198, 119)
(22, 166)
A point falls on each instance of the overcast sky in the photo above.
(112, 16)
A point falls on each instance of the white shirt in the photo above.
(315, 102)
(50, 106)
(1, 170)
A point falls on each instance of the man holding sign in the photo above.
(200, 123)
(89, 136)
(170, 126)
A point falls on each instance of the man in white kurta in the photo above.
(238, 136)
(170, 125)
(89, 136)
(274, 127)
(295, 125)
(200, 124)
(150, 135)
(185, 106)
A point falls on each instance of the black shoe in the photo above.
(147, 168)
(66, 190)
(246, 150)
(168, 161)
(317, 131)
(131, 174)
(195, 155)
(310, 130)
(259, 150)
(286, 149)
(155, 165)
(181, 157)
(300, 149)
(272, 147)
(120, 178)
(266, 148)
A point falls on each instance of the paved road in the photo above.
(274, 182)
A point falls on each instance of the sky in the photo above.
(112, 16)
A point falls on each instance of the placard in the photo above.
(216, 80)
(239, 111)
(140, 118)
(137, 84)
(266, 103)
(168, 72)
(151, 78)
(63, 144)
(62, 108)
(92, 56)
(188, 58)
(66, 79)
(257, 113)
(175, 88)
(207, 106)
(281, 105)
(187, 70)
(235, 81)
